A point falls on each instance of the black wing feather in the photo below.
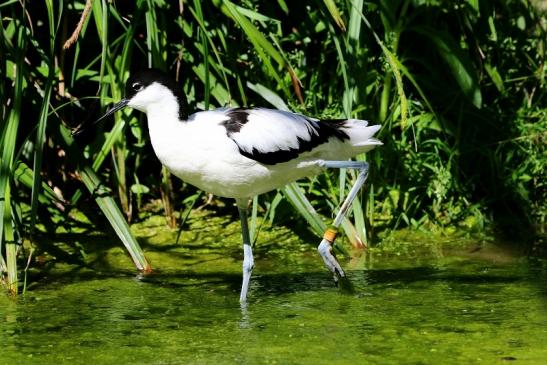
(320, 132)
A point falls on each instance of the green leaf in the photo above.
(521, 23)
(335, 13)
(495, 76)
(474, 4)
(39, 147)
(8, 146)
(25, 176)
(492, 26)
(303, 206)
(106, 203)
(394, 64)
(264, 47)
(218, 91)
(7, 3)
(268, 95)
(140, 189)
(457, 60)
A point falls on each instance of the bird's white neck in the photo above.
(164, 126)
(163, 113)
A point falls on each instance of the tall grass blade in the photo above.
(217, 90)
(201, 22)
(24, 175)
(299, 201)
(106, 203)
(347, 100)
(205, 49)
(253, 224)
(39, 147)
(100, 15)
(8, 145)
(42, 120)
(393, 62)
(262, 46)
(335, 13)
(268, 95)
(155, 35)
(11, 245)
(353, 35)
(458, 61)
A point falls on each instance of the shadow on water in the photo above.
(299, 282)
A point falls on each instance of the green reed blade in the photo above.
(393, 62)
(457, 60)
(264, 48)
(253, 222)
(335, 13)
(8, 145)
(269, 95)
(205, 50)
(11, 246)
(25, 175)
(106, 203)
(201, 23)
(221, 95)
(299, 201)
(39, 147)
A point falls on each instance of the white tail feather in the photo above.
(361, 135)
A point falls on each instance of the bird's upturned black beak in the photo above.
(115, 108)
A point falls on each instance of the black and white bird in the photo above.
(242, 152)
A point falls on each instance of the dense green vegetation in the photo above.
(458, 87)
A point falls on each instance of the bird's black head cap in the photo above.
(142, 79)
(137, 82)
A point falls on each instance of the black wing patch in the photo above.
(320, 132)
(238, 118)
(325, 130)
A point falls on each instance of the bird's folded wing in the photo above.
(273, 136)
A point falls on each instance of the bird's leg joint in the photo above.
(325, 250)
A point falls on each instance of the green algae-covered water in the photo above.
(430, 304)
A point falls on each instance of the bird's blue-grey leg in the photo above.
(248, 261)
(325, 247)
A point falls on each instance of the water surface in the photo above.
(432, 306)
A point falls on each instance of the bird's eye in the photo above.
(137, 86)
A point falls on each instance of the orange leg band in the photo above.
(330, 235)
